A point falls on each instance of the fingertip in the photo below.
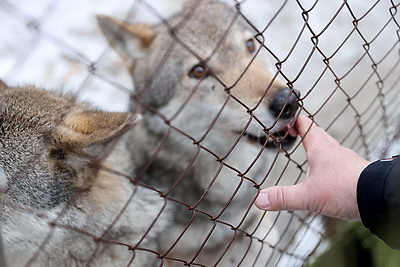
(276, 198)
(303, 125)
(304, 119)
(262, 200)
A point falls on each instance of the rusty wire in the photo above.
(356, 101)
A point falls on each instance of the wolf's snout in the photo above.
(285, 104)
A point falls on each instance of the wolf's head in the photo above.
(202, 69)
(49, 144)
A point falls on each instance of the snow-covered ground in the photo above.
(342, 56)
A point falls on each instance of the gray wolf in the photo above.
(214, 118)
(67, 195)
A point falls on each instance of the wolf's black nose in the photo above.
(285, 104)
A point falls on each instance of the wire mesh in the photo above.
(342, 56)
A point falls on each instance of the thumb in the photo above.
(294, 197)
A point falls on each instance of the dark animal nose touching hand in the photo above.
(285, 103)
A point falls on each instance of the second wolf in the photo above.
(213, 118)
(67, 194)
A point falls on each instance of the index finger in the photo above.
(312, 135)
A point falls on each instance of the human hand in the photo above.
(330, 186)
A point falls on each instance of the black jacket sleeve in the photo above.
(378, 198)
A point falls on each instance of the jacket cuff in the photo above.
(378, 199)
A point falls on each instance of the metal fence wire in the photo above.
(217, 86)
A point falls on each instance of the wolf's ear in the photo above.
(130, 41)
(3, 85)
(93, 127)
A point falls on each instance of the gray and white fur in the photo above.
(69, 198)
(213, 116)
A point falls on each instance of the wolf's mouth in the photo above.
(284, 137)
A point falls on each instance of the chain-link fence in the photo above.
(218, 87)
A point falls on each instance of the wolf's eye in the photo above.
(198, 71)
(250, 45)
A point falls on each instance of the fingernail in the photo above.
(262, 201)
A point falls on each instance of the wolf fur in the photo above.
(68, 197)
(211, 115)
